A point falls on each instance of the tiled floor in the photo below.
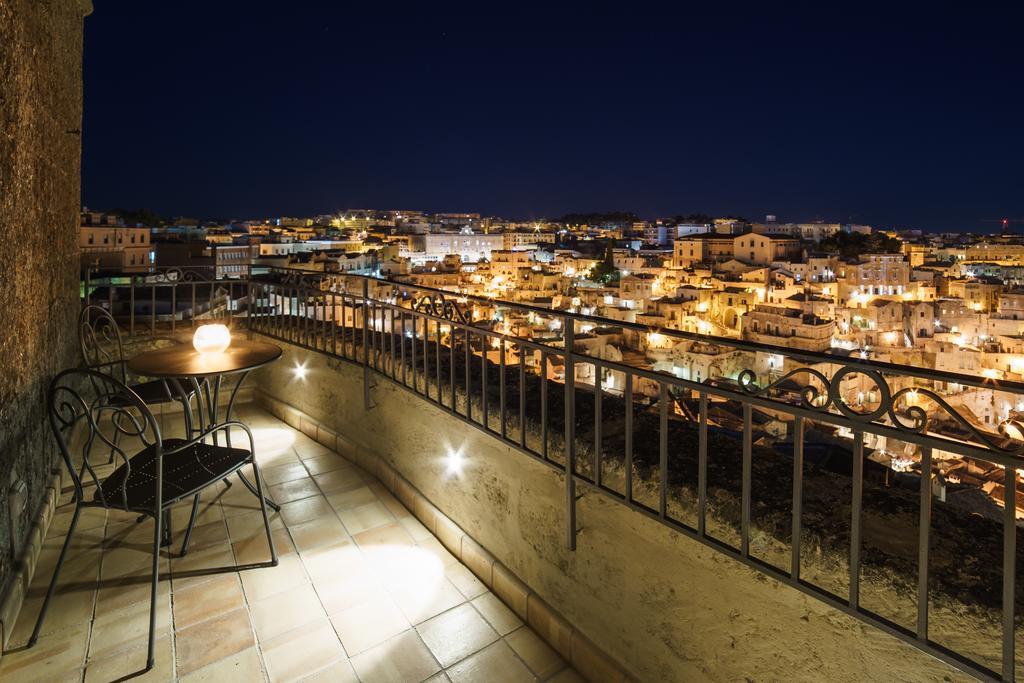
(363, 591)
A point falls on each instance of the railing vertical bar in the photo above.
(174, 306)
(628, 391)
(798, 496)
(1009, 571)
(394, 351)
(522, 398)
(702, 464)
(424, 352)
(598, 436)
(131, 301)
(485, 411)
(366, 347)
(334, 324)
(405, 382)
(469, 393)
(855, 517)
(745, 493)
(923, 540)
(569, 335)
(193, 312)
(414, 369)
(451, 366)
(662, 449)
(501, 387)
(544, 404)
(437, 365)
(152, 309)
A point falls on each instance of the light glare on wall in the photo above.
(455, 462)
(299, 370)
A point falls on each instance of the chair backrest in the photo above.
(95, 419)
(100, 340)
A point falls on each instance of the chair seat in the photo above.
(185, 473)
(154, 392)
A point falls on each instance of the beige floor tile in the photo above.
(344, 479)
(256, 550)
(293, 655)
(326, 463)
(420, 600)
(251, 524)
(339, 672)
(495, 664)
(129, 665)
(51, 659)
(69, 611)
(538, 655)
(285, 611)
(279, 474)
(294, 490)
(209, 512)
(351, 498)
(207, 600)
(89, 518)
(305, 510)
(434, 547)
(336, 560)
(388, 534)
(456, 634)
(243, 666)
(365, 517)
(397, 660)
(393, 504)
(203, 537)
(317, 532)
(117, 594)
(212, 640)
(307, 448)
(439, 677)
(369, 623)
(128, 628)
(206, 562)
(349, 590)
(498, 615)
(414, 528)
(266, 581)
(465, 580)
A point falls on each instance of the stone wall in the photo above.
(40, 150)
(661, 604)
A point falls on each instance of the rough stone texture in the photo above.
(666, 607)
(40, 150)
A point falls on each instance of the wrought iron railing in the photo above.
(775, 456)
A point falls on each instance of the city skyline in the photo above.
(896, 121)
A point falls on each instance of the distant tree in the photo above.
(605, 271)
(693, 219)
(606, 218)
(145, 217)
(855, 244)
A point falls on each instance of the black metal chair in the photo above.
(87, 408)
(99, 337)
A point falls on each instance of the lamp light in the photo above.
(211, 338)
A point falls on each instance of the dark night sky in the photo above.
(237, 110)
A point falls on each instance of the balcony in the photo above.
(777, 502)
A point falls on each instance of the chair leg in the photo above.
(157, 540)
(191, 523)
(263, 507)
(56, 574)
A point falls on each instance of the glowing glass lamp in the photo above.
(211, 338)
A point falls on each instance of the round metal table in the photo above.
(205, 372)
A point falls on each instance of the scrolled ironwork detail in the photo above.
(809, 394)
(438, 306)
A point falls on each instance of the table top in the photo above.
(184, 361)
